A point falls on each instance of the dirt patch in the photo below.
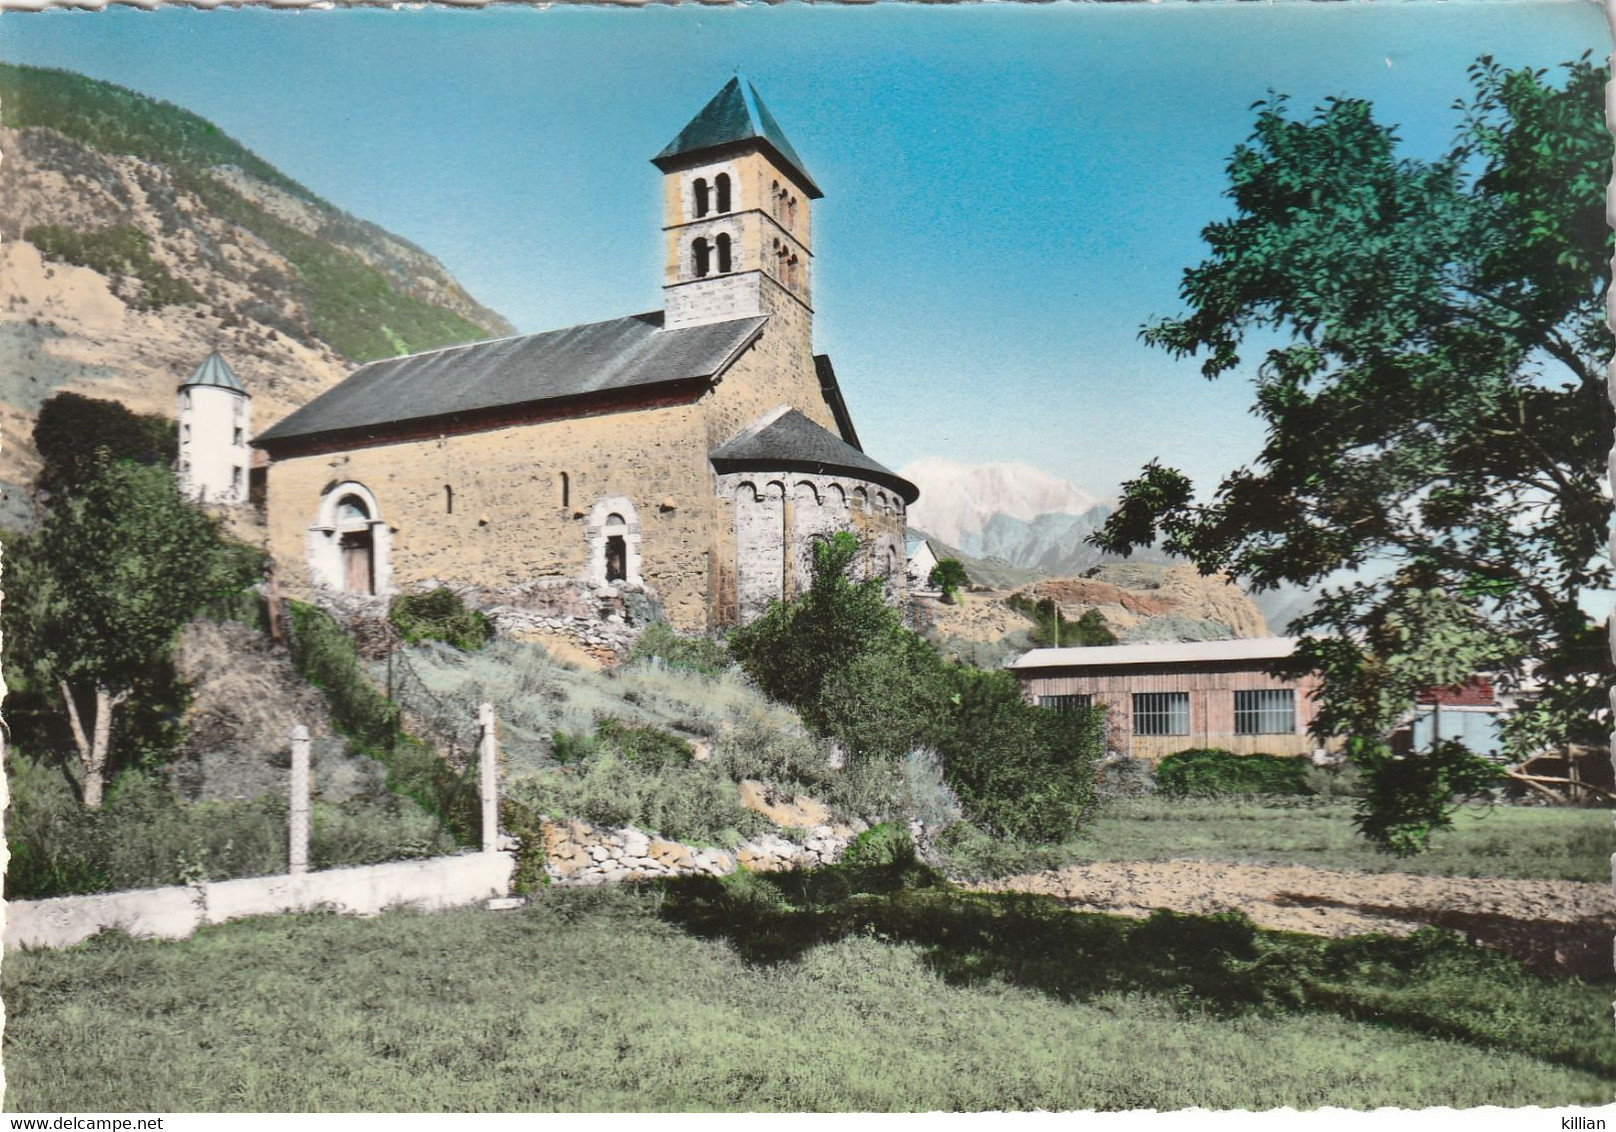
(976, 617)
(1557, 926)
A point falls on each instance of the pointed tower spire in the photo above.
(735, 118)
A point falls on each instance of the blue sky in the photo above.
(1011, 191)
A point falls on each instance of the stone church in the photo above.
(690, 454)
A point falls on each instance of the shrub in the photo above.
(948, 576)
(1052, 627)
(687, 803)
(118, 250)
(440, 616)
(324, 656)
(880, 846)
(571, 746)
(648, 747)
(694, 654)
(1406, 798)
(1212, 773)
(1020, 771)
(841, 657)
(145, 838)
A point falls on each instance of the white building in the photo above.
(921, 559)
(215, 419)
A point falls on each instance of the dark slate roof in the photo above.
(789, 441)
(216, 372)
(736, 115)
(595, 358)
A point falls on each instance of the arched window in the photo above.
(703, 252)
(721, 241)
(791, 213)
(721, 183)
(612, 534)
(701, 197)
(616, 548)
(791, 271)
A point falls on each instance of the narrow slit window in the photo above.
(566, 490)
(448, 500)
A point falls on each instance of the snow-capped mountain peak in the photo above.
(958, 499)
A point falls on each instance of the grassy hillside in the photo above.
(114, 119)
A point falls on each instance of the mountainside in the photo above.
(138, 236)
(1144, 601)
(957, 500)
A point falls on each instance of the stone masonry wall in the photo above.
(508, 526)
(767, 505)
(578, 853)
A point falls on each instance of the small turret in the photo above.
(215, 421)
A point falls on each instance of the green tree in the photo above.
(948, 575)
(794, 645)
(1437, 422)
(95, 600)
(76, 435)
(842, 658)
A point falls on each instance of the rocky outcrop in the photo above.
(1148, 601)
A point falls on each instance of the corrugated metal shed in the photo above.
(596, 357)
(216, 372)
(1184, 652)
(785, 440)
(734, 116)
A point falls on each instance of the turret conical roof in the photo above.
(216, 372)
(735, 116)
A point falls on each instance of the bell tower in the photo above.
(735, 216)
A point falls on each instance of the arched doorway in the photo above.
(358, 546)
(349, 546)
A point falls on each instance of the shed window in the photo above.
(1062, 705)
(1271, 711)
(1161, 713)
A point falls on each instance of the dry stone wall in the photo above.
(577, 853)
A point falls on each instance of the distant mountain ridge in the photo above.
(139, 236)
(958, 499)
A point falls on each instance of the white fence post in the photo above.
(297, 856)
(488, 768)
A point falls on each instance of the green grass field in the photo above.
(1493, 841)
(588, 1000)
